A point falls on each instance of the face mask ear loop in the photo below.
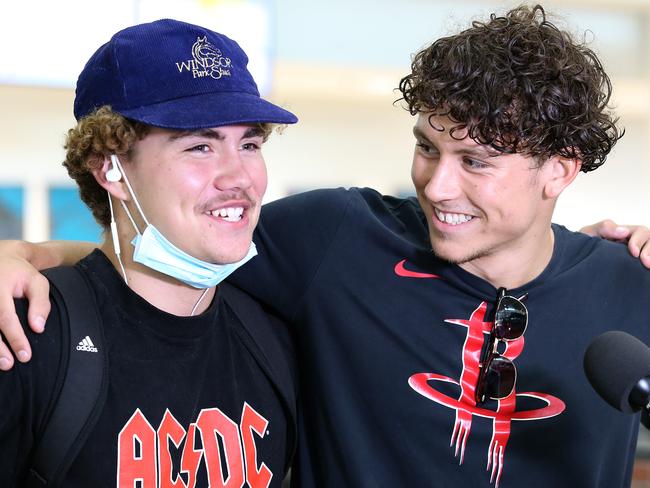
(116, 240)
(117, 162)
(128, 214)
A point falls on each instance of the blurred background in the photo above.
(335, 64)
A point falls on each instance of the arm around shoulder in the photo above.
(19, 278)
(47, 254)
(636, 236)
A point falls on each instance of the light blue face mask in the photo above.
(152, 249)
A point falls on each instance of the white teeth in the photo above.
(452, 218)
(229, 214)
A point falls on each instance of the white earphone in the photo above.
(113, 174)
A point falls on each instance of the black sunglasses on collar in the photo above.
(497, 373)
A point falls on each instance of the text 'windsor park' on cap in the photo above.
(174, 75)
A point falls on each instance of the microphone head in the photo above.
(614, 363)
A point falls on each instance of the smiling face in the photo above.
(483, 208)
(201, 189)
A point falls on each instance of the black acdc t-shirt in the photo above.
(187, 401)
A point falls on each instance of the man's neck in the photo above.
(161, 291)
(521, 263)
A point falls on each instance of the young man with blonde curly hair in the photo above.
(170, 164)
(411, 314)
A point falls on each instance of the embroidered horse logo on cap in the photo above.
(207, 61)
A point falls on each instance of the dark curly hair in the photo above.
(520, 85)
(96, 137)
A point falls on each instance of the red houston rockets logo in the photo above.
(144, 457)
(478, 330)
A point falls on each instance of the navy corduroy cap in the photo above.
(174, 75)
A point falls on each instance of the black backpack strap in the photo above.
(269, 342)
(85, 384)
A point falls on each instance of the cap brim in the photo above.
(210, 110)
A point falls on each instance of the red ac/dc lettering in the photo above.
(144, 458)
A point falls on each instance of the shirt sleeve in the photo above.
(292, 239)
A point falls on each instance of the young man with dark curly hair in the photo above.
(411, 314)
(169, 161)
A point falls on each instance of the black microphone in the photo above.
(618, 367)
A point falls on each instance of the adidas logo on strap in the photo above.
(87, 345)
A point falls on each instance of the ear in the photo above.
(561, 172)
(115, 188)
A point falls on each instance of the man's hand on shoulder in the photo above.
(636, 236)
(19, 279)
